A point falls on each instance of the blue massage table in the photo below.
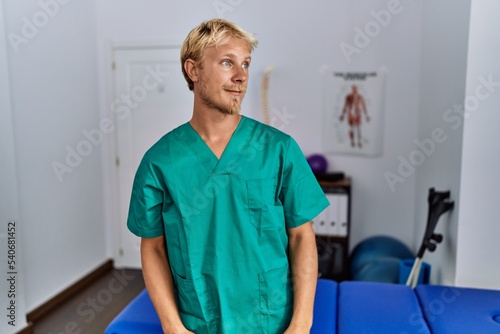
(367, 308)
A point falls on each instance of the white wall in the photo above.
(12, 301)
(458, 57)
(479, 226)
(442, 86)
(378, 209)
(298, 39)
(54, 97)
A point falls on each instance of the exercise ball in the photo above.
(384, 269)
(378, 247)
(318, 163)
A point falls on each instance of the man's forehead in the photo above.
(232, 46)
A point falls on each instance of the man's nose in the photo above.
(240, 75)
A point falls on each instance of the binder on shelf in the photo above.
(343, 203)
(332, 229)
(320, 223)
(333, 221)
(332, 215)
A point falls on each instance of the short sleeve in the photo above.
(301, 195)
(146, 202)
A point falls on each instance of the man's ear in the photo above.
(191, 70)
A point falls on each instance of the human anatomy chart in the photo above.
(353, 111)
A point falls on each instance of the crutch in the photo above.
(438, 204)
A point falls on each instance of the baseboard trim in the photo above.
(66, 294)
(28, 329)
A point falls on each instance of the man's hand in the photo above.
(296, 330)
(178, 331)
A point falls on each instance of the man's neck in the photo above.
(213, 125)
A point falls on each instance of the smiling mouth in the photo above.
(234, 91)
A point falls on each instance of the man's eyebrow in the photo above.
(232, 55)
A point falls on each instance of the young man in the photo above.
(223, 205)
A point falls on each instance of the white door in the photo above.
(150, 99)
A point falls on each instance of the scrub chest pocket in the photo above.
(262, 204)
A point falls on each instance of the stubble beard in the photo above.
(233, 108)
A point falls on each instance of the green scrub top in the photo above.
(225, 222)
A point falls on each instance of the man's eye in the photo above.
(246, 66)
(226, 63)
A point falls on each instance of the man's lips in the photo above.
(234, 91)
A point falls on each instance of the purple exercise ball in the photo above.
(318, 163)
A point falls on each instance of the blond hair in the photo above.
(215, 32)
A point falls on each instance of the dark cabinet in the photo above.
(332, 228)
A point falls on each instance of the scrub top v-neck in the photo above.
(206, 156)
(224, 222)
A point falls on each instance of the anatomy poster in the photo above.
(353, 109)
